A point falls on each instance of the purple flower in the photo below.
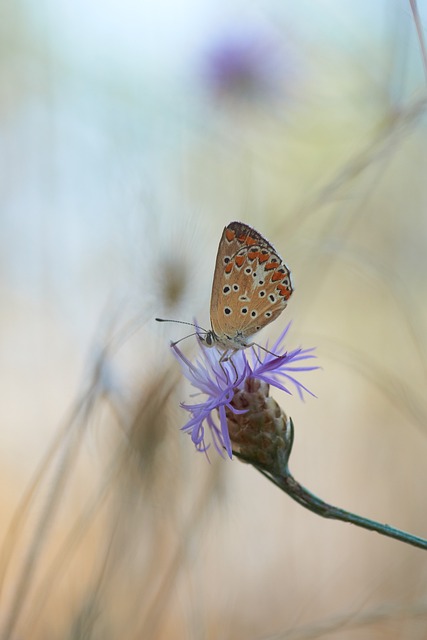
(220, 381)
(247, 63)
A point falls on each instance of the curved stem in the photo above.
(283, 479)
(300, 494)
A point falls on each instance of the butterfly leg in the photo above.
(227, 357)
(222, 359)
(276, 355)
(253, 345)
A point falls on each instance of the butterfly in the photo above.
(251, 287)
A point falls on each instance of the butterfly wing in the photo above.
(251, 285)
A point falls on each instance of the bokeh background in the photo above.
(130, 134)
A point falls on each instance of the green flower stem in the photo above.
(282, 478)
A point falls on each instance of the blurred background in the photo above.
(131, 133)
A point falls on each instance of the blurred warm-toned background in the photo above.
(130, 134)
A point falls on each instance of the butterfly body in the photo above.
(251, 287)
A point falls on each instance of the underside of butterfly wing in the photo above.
(251, 285)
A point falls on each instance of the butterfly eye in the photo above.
(226, 289)
(254, 314)
(236, 287)
(272, 297)
(227, 311)
(268, 314)
(261, 293)
(244, 310)
(226, 259)
(248, 270)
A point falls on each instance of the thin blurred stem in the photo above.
(420, 34)
(379, 147)
(73, 538)
(73, 432)
(404, 398)
(153, 618)
(16, 526)
(353, 620)
(283, 479)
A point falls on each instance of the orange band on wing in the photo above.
(239, 260)
(229, 267)
(276, 276)
(229, 234)
(284, 291)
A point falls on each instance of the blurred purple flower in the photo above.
(220, 381)
(246, 64)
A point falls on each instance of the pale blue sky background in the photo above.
(106, 98)
(104, 117)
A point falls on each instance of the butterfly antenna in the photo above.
(190, 324)
(173, 344)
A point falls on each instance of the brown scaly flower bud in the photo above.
(262, 434)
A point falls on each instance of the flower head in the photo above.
(247, 64)
(227, 386)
